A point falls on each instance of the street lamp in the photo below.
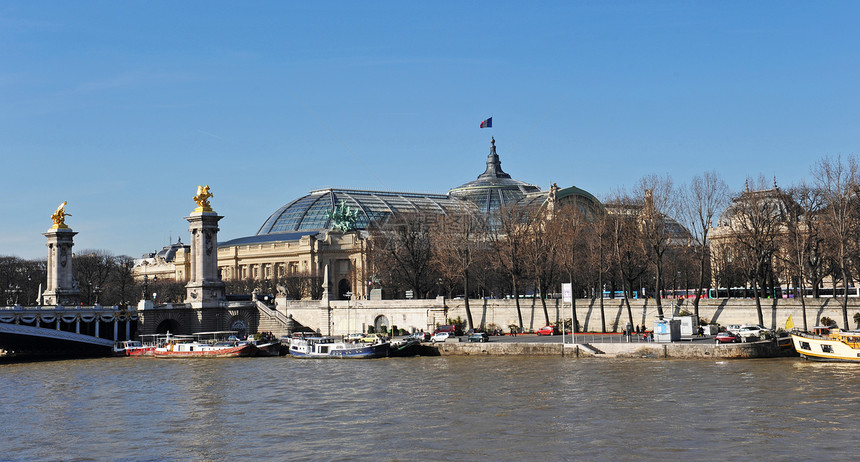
(97, 291)
(145, 286)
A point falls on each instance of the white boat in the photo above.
(221, 344)
(828, 344)
(132, 348)
(144, 347)
(327, 347)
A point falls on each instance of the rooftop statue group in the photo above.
(202, 198)
(59, 217)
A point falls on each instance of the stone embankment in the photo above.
(763, 349)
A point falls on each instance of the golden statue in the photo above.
(59, 217)
(202, 199)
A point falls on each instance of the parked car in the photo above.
(421, 336)
(749, 332)
(373, 338)
(354, 337)
(727, 337)
(450, 328)
(440, 337)
(479, 337)
(547, 330)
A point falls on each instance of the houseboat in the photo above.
(221, 344)
(327, 347)
(828, 344)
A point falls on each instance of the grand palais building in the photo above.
(305, 235)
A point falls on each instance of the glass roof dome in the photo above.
(493, 188)
(312, 212)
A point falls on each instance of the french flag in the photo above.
(487, 123)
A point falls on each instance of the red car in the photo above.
(727, 337)
(547, 330)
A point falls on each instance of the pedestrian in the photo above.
(637, 329)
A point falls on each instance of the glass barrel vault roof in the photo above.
(310, 212)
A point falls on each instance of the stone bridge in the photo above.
(65, 331)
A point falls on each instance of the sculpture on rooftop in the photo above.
(59, 217)
(202, 198)
(343, 218)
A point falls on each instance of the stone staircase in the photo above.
(274, 321)
(591, 349)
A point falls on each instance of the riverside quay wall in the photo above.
(339, 317)
(650, 350)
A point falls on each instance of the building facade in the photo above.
(324, 235)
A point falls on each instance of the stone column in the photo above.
(204, 288)
(61, 288)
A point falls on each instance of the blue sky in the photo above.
(123, 108)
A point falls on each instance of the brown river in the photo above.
(439, 408)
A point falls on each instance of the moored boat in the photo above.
(132, 348)
(828, 344)
(405, 347)
(327, 347)
(272, 348)
(222, 344)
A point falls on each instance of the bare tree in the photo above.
(571, 223)
(838, 181)
(756, 221)
(403, 248)
(92, 269)
(629, 252)
(122, 289)
(705, 197)
(659, 199)
(458, 238)
(803, 241)
(508, 238)
(542, 255)
(598, 256)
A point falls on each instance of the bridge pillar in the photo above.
(205, 288)
(61, 288)
(77, 326)
(97, 326)
(127, 329)
(115, 329)
(58, 323)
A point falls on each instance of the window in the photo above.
(804, 345)
(827, 348)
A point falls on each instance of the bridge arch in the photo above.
(168, 325)
(240, 325)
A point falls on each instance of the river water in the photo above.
(427, 408)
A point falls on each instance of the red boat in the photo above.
(132, 348)
(223, 344)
